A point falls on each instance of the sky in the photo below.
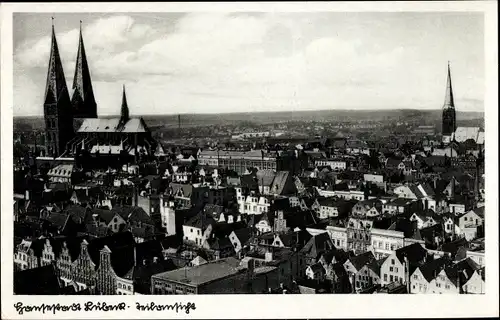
(175, 63)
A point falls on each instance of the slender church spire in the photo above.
(448, 100)
(124, 115)
(449, 116)
(57, 111)
(83, 101)
(56, 82)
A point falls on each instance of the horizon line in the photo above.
(247, 112)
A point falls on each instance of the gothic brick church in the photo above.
(125, 136)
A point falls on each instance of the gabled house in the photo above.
(314, 248)
(198, 229)
(399, 206)
(423, 275)
(409, 191)
(369, 275)
(356, 262)
(453, 277)
(218, 247)
(474, 217)
(108, 218)
(399, 265)
(28, 254)
(450, 225)
(315, 272)
(367, 208)
(331, 207)
(331, 257)
(423, 220)
(476, 283)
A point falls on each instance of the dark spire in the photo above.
(449, 116)
(124, 116)
(83, 100)
(448, 100)
(56, 82)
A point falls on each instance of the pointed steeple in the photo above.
(56, 88)
(449, 116)
(448, 99)
(57, 111)
(83, 100)
(124, 115)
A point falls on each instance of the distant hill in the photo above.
(188, 120)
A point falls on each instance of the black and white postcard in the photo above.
(249, 160)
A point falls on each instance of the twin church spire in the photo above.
(83, 101)
(55, 89)
(59, 109)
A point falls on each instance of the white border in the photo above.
(257, 306)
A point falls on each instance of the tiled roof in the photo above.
(464, 133)
(432, 268)
(279, 181)
(112, 125)
(361, 260)
(317, 245)
(204, 273)
(414, 252)
(265, 177)
(201, 221)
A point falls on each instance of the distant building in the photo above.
(238, 161)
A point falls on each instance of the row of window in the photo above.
(439, 285)
(386, 245)
(338, 242)
(47, 256)
(358, 236)
(392, 278)
(22, 256)
(124, 286)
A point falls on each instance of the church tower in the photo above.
(57, 111)
(449, 116)
(83, 101)
(124, 113)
